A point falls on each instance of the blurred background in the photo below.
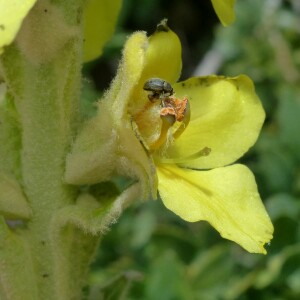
(150, 253)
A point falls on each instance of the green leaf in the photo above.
(143, 227)
(283, 205)
(288, 113)
(166, 279)
(275, 266)
(115, 288)
(202, 269)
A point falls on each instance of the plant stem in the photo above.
(44, 85)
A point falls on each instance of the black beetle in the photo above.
(159, 88)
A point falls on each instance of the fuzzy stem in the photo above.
(44, 83)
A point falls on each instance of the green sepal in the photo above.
(93, 155)
(107, 144)
(94, 215)
(18, 279)
(13, 204)
(75, 231)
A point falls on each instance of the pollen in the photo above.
(163, 118)
(175, 107)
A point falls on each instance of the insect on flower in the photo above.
(159, 89)
(170, 106)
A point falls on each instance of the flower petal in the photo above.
(225, 10)
(163, 55)
(226, 116)
(225, 197)
(12, 13)
(99, 23)
(162, 60)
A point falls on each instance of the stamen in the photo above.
(138, 135)
(167, 123)
(171, 110)
(184, 122)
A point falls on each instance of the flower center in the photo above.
(163, 118)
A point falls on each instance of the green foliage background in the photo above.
(150, 253)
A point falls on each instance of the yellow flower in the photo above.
(225, 10)
(100, 19)
(187, 156)
(12, 14)
(99, 23)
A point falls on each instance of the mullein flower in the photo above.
(99, 23)
(224, 10)
(178, 138)
(159, 138)
(12, 15)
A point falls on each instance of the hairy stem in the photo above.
(42, 73)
